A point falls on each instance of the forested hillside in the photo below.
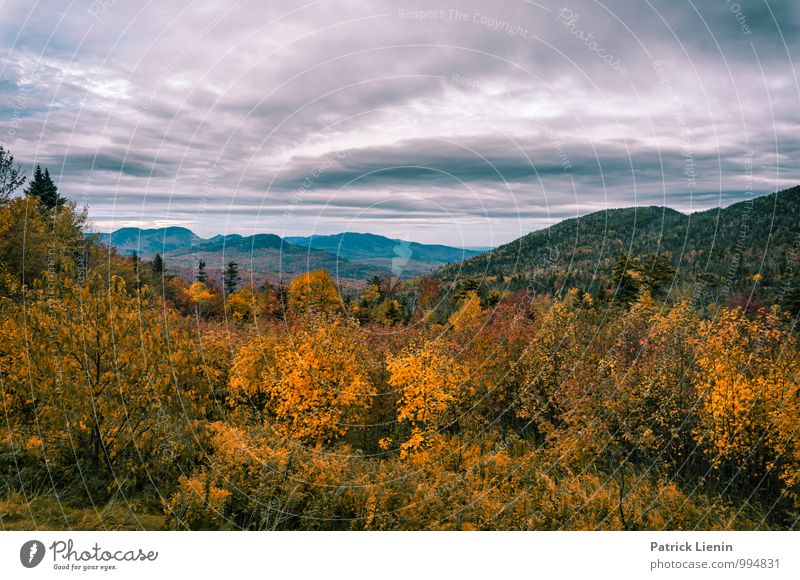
(726, 254)
(134, 398)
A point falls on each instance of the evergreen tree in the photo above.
(136, 264)
(11, 176)
(157, 266)
(230, 278)
(43, 188)
(201, 271)
(625, 276)
(791, 300)
(656, 272)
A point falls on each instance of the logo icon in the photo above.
(31, 553)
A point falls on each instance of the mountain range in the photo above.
(347, 256)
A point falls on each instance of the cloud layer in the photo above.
(462, 123)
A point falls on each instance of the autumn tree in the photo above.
(546, 368)
(389, 312)
(32, 243)
(747, 383)
(199, 294)
(429, 380)
(254, 375)
(314, 291)
(312, 383)
(468, 316)
(243, 306)
(645, 380)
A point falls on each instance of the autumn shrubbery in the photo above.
(103, 388)
(614, 420)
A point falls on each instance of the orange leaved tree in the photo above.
(429, 379)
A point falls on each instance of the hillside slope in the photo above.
(721, 249)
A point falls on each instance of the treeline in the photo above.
(419, 406)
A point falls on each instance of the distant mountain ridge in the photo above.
(149, 242)
(411, 258)
(353, 256)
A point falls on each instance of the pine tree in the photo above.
(43, 188)
(230, 278)
(11, 176)
(201, 272)
(625, 276)
(157, 266)
(656, 271)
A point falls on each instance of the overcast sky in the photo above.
(461, 122)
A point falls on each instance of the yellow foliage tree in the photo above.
(31, 244)
(469, 315)
(747, 381)
(243, 305)
(314, 291)
(198, 293)
(545, 368)
(318, 388)
(254, 374)
(429, 380)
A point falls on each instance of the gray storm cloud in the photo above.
(466, 122)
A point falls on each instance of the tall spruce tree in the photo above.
(157, 266)
(201, 271)
(625, 277)
(44, 189)
(230, 277)
(657, 271)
